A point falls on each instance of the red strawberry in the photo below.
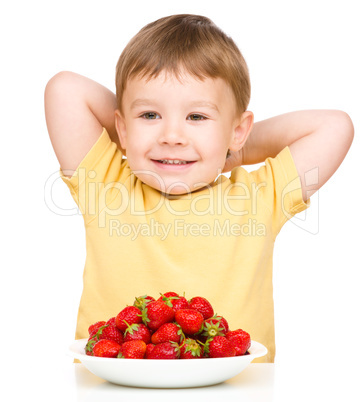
(190, 349)
(92, 340)
(156, 314)
(203, 306)
(149, 349)
(106, 348)
(104, 332)
(180, 303)
(110, 332)
(142, 301)
(189, 320)
(95, 327)
(241, 341)
(215, 326)
(133, 350)
(166, 350)
(175, 301)
(111, 321)
(168, 296)
(219, 346)
(137, 331)
(131, 315)
(167, 332)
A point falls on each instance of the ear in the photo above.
(241, 131)
(121, 129)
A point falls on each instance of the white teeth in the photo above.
(173, 162)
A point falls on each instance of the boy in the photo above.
(163, 218)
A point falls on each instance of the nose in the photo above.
(173, 134)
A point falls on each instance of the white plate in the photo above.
(180, 373)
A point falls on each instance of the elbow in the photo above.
(58, 81)
(59, 89)
(340, 129)
(53, 83)
(344, 127)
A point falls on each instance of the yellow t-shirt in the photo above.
(216, 242)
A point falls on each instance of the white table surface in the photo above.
(255, 383)
(41, 379)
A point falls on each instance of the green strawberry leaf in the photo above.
(144, 316)
(100, 330)
(90, 344)
(131, 328)
(207, 346)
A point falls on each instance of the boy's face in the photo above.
(177, 132)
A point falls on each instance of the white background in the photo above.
(301, 55)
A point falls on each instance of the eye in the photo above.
(196, 117)
(150, 116)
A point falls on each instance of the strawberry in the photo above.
(137, 331)
(241, 341)
(167, 332)
(142, 301)
(133, 350)
(190, 349)
(189, 320)
(219, 346)
(92, 340)
(156, 314)
(110, 332)
(92, 330)
(111, 321)
(129, 315)
(203, 306)
(149, 349)
(175, 301)
(168, 296)
(180, 303)
(165, 350)
(215, 326)
(106, 348)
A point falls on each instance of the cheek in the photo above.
(136, 140)
(216, 145)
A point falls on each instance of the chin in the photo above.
(172, 189)
(168, 188)
(183, 190)
(175, 190)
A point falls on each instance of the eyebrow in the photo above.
(142, 102)
(148, 101)
(205, 104)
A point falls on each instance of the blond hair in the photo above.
(184, 42)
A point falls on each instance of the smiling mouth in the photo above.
(173, 162)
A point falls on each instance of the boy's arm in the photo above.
(318, 141)
(76, 109)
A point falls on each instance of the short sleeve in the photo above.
(102, 166)
(282, 191)
(277, 187)
(291, 188)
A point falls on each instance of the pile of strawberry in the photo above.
(168, 328)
